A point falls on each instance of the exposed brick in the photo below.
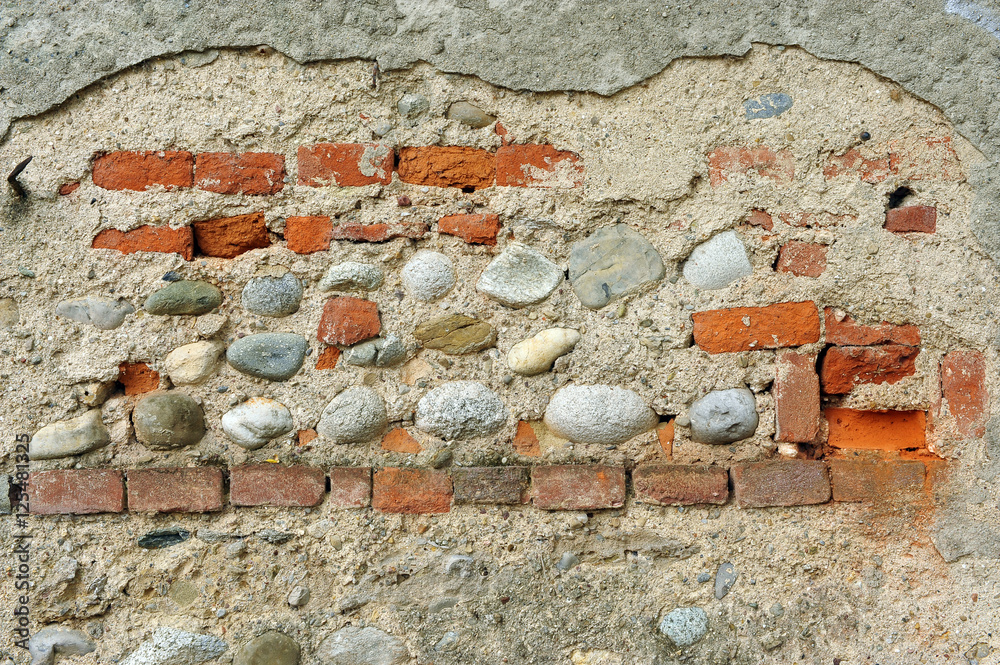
(327, 358)
(925, 158)
(350, 487)
(665, 435)
(161, 239)
(876, 430)
(479, 229)
(680, 484)
(306, 235)
(138, 171)
(307, 436)
(754, 328)
(276, 485)
(491, 484)
(377, 232)
(178, 490)
(76, 492)
(796, 398)
(228, 237)
(892, 481)
(68, 188)
(449, 166)
(804, 259)
(525, 441)
(911, 219)
(761, 219)
(842, 330)
(726, 161)
(138, 378)
(501, 131)
(963, 385)
(348, 320)
(400, 441)
(577, 487)
(852, 163)
(397, 490)
(780, 483)
(250, 173)
(814, 219)
(844, 367)
(345, 164)
(538, 166)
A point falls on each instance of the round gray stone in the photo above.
(602, 414)
(271, 648)
(74, 436)
(184, 297)
(352, 275)
(685, 625)
(257, 421)
(724, 416)
(428, 275)
(356, 415)
(362, 646)
(51, 640)
(269, 356)
(273, 296)
(460, 410)
(612, 262)
(98, 311)
(717, 263)
(411, 105)
(167, 420)
(519, 276)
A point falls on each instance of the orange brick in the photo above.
(76, 492)
(138, 378)
(411, 491)
(307, 436)
(345, 164)
(796, 398)
(844, 367)
(852, 163)
(665, 435)
(780, 483)
(726, 161)
(350, 487)
(327, 358)
(883, 482)
(68, 188)
(177, 490)
(911, 219)
(841, 329)
(228, 237)
(449, 166)
(250, 173)
(925, 158)
(577, 487)
(276, 485)
(803, 259)
(538, 166)
(761, 219)
(755, 328)
(525, 441)
(306, 235)
(680, 484)
(348, 320)
(479, 229)
(377, 232)
(963, 385)
(876, 430)
(161, 239)
(400, 441)
(138, 171)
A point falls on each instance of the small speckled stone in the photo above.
(685, 625)
(352, 275)
(717, 263)
(272, 296)
(166, 420)
(257, 421)
(362, 646)
(612, 262)
(271, 648)
(100, 312)
(356, 415)
(170, 646)
(470, 115)
(75, 436)
(725, 578)
(456, 334)
(519, 276)
(724, 416)
(298, 596)
(193, 363)
(460, 410)
(428, 275)
(269, 356)
(184, 297)
(598, 414)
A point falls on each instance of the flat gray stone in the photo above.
(268, 356)
(470, 115)
(56, 640)
(411, 105)
(460, 410)
(166, 420)
(379, 352)
(725, 578)
(356, 415)
(362, 646)
(352, 275)
(170, 646)
(724, 416)
(255, 422)
(183, 298)
(75, 436)
(767, 106)
(99, 311)
(612, 262)
(272, 296)
(519, 276)
(685, 625)
(271, 648)
(598, 414)
(718, 262)
(428, 275)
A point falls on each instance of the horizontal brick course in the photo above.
(76, 491)
(251, 173)
(350, 487)
(538, 166)
(491, 485)
(726, 161)
(176, 490)
(876, 430)
(162, 239)
(890, 481)
(842, 330)
(447, 166)
(138, 171)
(755, 328)
(911, 219)
(481, 229)
(276, 485)
(377, 232)
(680, 484)
(397, 490)
(306, 235)
(780, 483)
(577, 487)
(845, 367)
(345, 164)
(228, 237)
(853, 164)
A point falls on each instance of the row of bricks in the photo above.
(341, 164)
(905, 219)
(413, 490)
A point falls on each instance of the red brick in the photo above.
(377, 232)
(161, 239)
(925, 158)
(138, 378)
(796, 398)
(400, 441)
(761, 219)
(276, 485)
(680, 484)
(327, 358)
(963, 385)
(665, 435)
(911, 219)
(348, 320)
(842, 330)
(884, 482)
(507, 485)
(876, 430)
(306, 235)
(76, 492)
(803, 259)
(726, 161)
(177, 490)
(449, 166)
(345, 164)
(411, 491)
(350, 487)
(138, 171)
(525, 441)
(844, 367)
(478, 229)
(538, 166)
(780, 483)
(68, 188)
(577, 487)
(754, 328)
(228, 237)
(501, 131)
(250, 173)
(852, 163)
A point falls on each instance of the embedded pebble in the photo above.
(519, 276)
(166, 420)
(51, 640)
(717, 263)
(271, 648)
(208, 325)
(159, 539)
(724, 416)
(184, 297)
(257, 421)
(767, 106)
(362, 646)
(612, 262)
(536, 354)
(411, 105)
(100, 312)
(269, 356)
(272, 296)
(448, 642)
(598, 414)
(567, 561)
(704, 577)
(95, 393)
(776, 610)
(379, 352)
(428, 275)
(685, 625)
(170, 646)
(193, 363)
(455, 334)
(298, 596)
(352, 275)
(356, 415)
(470, 115)
(75, 436)
(725, 578)
(460, 410)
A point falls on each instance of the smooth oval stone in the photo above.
(685, 625)
(717, 263)
(428, 275)
(271, 648)
(166, 420)
(75, 436)
(51, 640)
(519, 276)
(100, 312)
(470, 115)
(352, 275)
(536, 354)
(184, 297)
(257, 421)
(269, 356)
(598, 414)
(362, 646)
(455, 334)
(724, 416)
(355, 415)
(193, 363)
(272, 296)
(612, 262)
(171, 646)
(460, 410)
